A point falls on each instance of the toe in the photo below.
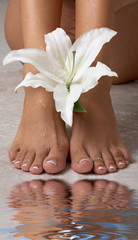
(36, 187)
(100, 184)
(19, 158)
(82, 187)
(55, 188)
(37, 165)
(118, 158)
(99, 165)
(109, 161)
(13, 152)
(25, 188)
(109, 193)
(80, 161)
(36, 184)
(126, 155)
(28, 160)
(55, 162)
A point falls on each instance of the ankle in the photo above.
(39, 96)
(29, 68)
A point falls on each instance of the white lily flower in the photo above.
(64, 69)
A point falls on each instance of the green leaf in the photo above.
(78, 107)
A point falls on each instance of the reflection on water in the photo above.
(87, 210)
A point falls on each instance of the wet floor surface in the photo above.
(87, 209)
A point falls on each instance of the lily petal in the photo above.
(65, 100)
(37, 80)
(93, 74)
(39, 58)
(57, 43)
(87, 48)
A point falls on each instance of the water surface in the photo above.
(51, 209)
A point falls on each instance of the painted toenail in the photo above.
(111, 167)
(25, 165)
(53, 162)
(121, 163)
(85, 159)
(101, 167)
(13, 161)
(35, 167)
(17, 162)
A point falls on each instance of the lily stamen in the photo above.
(73, 65)
(72, 74)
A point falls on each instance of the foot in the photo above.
(95, 135)
(41, 142)
(35, 203)
(95, 195)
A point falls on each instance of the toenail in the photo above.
(13, 161)
(53, 162)
(35, 167)
(127, 162)
(101, 167)
(111, 167)
(121, 163)
(85, 159)
(25, 165)
(17, 162)
(35, 187)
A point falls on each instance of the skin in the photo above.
(39, 115)
(94, 134)
(85, 203)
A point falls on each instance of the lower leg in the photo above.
(41, 142)
(13, 25)
(124, 48)
(68, 18)
(120, 15)
(95, 134)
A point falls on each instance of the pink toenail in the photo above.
(53, 162)
(25, 165)
(101, 167)
(35, 167)
(85, 159)
(111, 167)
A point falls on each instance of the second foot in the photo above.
(41, 142)
(95, 136)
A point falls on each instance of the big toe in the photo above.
(80, 161)
(55, 162)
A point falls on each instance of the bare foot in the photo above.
(41, 142)
(35, 202)
(95, 135)
(97, 195)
